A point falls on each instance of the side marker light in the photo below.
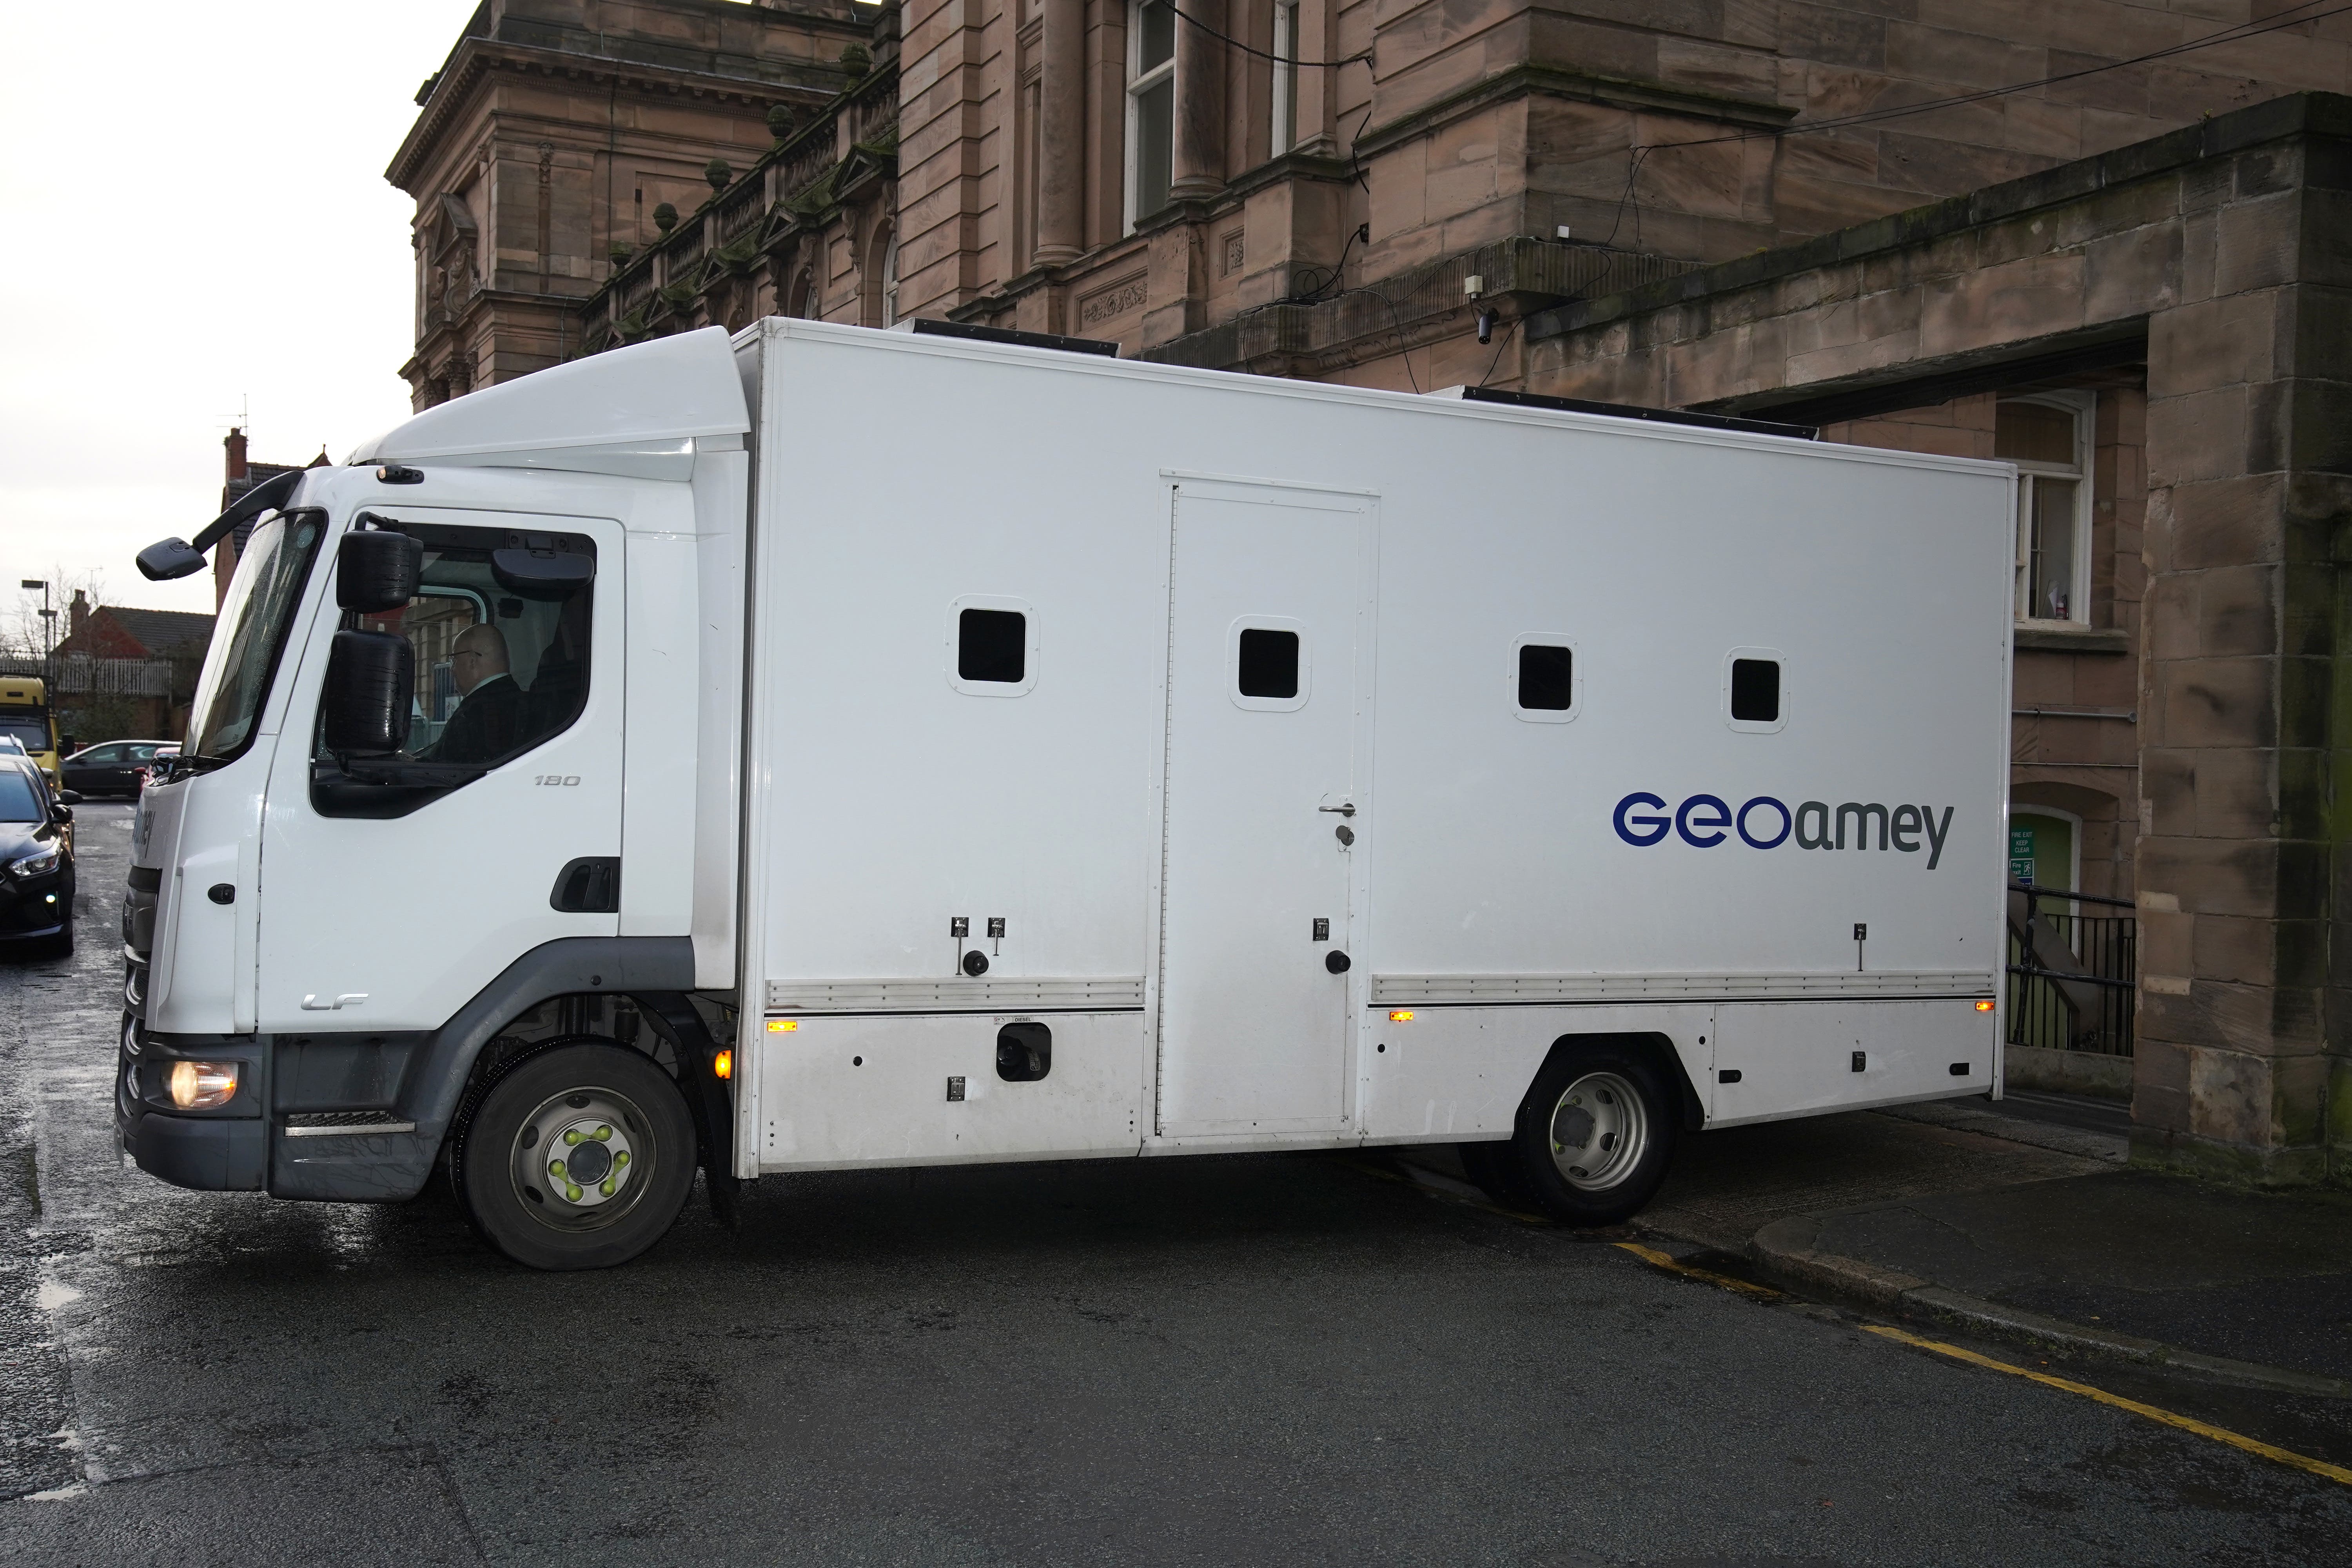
(1985, 1007)
(723, 1064)
(1404, 1016)
(784, 1025)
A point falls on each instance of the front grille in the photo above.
(140, 893)
(141, 890)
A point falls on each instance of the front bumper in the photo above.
(224, 1151)
(33, 907)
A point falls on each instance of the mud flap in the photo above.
(706, 1097)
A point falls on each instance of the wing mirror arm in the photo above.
(170, 558)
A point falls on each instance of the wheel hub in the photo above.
(580, 1158)
(1599, 1130)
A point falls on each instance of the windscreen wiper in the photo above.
(170, 558)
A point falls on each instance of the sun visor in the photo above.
(649, 397)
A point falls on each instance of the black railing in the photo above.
(2073, 974)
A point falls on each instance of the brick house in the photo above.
(128, 671)
(2105, 241)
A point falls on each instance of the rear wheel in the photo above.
(1596, 1133)
(578, 1157)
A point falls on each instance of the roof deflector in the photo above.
(666, 391)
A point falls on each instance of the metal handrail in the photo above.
(2069, 896)
(2085, 1001)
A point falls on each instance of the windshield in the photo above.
(19, 800)
(259, 606)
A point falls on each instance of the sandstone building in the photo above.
(2110, 240)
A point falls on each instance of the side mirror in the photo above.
(60, 815)
(377, 571)
(542, 574)
(371, 684)
(70, 797)
(170, 558)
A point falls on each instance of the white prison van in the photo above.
(829, 748)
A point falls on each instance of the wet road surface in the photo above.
(1232, 1359)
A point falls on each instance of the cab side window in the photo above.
(499, 661)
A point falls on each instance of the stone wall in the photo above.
(555, 132)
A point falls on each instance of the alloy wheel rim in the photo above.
(582, 1159)
(1599, 1129)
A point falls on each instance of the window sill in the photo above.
(2049, 638)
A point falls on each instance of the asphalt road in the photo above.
(1292, 1359)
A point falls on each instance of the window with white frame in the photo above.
(1285, 75)
(1150, 106)
(2048, 437)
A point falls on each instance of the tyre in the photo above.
(576, 1157)
(1596, 1132)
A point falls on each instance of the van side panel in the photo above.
(1643, 853)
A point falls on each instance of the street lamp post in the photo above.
(49, 621)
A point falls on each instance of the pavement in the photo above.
(2135, 1263)
(1305, 1358)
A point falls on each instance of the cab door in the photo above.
(393, 890)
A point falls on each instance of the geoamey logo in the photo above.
(1704, 821)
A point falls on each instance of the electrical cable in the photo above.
(1871, 117)
(1296, 65)
(1404, 350)
(1633, 173)
(2242, 30)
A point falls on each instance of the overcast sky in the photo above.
(199, 219)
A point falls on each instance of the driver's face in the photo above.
(468, 667)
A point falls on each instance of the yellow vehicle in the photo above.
(24, 717)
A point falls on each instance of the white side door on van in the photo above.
(1269, 699)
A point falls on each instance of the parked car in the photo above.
(150, 771)
(12, 747)
(37, 858)
(112, 767)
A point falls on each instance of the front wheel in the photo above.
(1596, 1133)
(579, 1157)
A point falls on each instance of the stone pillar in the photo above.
(1200, 161)
(2243, 1027)
(1062, 135)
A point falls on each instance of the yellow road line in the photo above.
(2186, 1423)
(1657, 1259)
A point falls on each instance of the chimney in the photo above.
(234, 443)
(76, 614)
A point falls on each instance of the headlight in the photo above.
(199, 1086)
(33, 865)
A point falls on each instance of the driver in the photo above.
(488, 723)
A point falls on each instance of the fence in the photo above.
(2072, 975)
(80, 673)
